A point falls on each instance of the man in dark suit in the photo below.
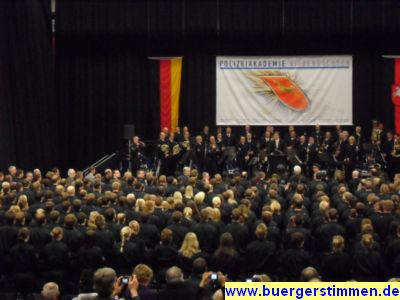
(238, 231)
(318, 134)
(72, 236)
(295, 259)
(327, 231)
(207, 232)
(199, 153)
(277, 145)
(229, 139)
(148, 231)
(39, 234)
(260, 253)
(8, 238)
(179, 230)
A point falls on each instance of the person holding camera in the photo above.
(109, 287)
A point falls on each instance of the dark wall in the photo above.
(103, 79)
(28, 124)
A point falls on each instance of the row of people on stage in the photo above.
(212, 153)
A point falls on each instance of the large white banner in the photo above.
(296, 90)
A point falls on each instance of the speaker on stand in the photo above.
(129, 133)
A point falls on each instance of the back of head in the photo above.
(298, 220)
(40, 216)
(261, 231)
(103, 282)
(367, 241)
(297, 201)
(143, 273)
(57, 233)
(297, 240)
(23, 234)
(166, 235)
(331, 214)
(199, 265)
(70, 220)
(266, 216)
(20, 218)
(236, 214)
(50, 291)
(387, 206)
(174, 275)
(100, 221)
(308, 273)
(90, 237)
(177, 217)
(337, 244)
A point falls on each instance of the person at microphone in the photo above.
(277, 146)
(137, 152)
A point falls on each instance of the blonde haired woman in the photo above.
(199, 199)
(229, 196)
(139, 205)
(277, 216)
(189, 193)
(187, 219)
(336, 266)
(367, 261)
(92, 219)
(189, 251)
(190, 245)
(23, 203)
(178, 198)
(125, 253)
(56, 257)
(135, 229)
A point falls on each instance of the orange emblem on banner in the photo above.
(287, 92)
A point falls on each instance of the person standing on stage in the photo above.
(213, 153)
(241, 154)
(229, 138)
(199, 153)
(311, 154)
(302, 150)
(185, 146)
(318, 135)
(394, 161)
(174, 151)
(350, 156)
(163, 154)
(137, 152)
(276, 145)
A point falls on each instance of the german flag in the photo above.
(168, 81)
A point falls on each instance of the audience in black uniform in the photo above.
(169, 233)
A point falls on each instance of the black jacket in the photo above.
(292, 262)
(260, 255)
(56, 255)
(240, 235)
(336, 267)
(208, 236)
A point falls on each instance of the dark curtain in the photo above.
(198, 106)
(103, 78)
(28, 123)
(99, 93)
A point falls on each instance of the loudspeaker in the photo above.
(129, 131)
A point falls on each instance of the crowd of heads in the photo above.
(82, 233)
